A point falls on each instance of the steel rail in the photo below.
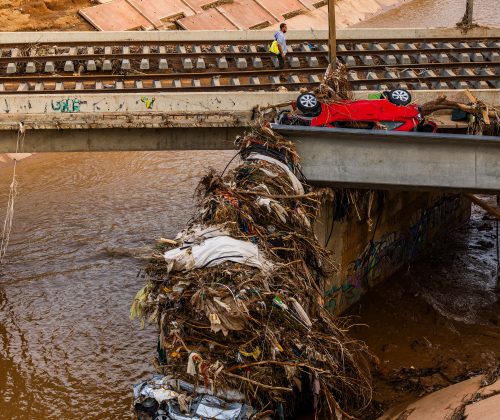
(159, 76)
(169, 74)
(243, 54)
(222, 72)
(226, 74)
(243, 86)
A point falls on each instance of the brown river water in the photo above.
(67, 347)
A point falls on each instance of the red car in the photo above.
(393, 111)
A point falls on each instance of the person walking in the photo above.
(281, 40)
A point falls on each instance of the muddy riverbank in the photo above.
(438, 321)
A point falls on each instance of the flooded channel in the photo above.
(67, 347)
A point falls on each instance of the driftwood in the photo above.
(442, 103)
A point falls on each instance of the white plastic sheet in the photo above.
(296, 184)
(215, 251)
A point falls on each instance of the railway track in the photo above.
(149, 66)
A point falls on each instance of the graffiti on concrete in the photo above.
(341, 296)
(382, 258)
(67, 105)
(148, 102)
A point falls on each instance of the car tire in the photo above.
(308, 104)
(399, 97)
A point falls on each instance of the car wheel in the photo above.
(399, 97)
(308, 104)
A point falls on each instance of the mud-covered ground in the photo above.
(438, 321)
(43, 15)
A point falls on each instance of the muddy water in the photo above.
(67, 348)
(435, 13)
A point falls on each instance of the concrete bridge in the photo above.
(204, 121)
(92, 117)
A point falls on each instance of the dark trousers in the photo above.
(281, 61)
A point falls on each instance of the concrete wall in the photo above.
(112, 109)
(369, 249)
(239, 36)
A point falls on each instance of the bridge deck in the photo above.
(397, 160)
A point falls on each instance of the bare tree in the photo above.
(466, 21)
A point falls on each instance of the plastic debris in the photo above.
(238, 298)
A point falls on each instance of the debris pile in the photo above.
(238, 299)
(482, 118)
(335, 85)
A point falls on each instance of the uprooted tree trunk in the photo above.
(485, 119)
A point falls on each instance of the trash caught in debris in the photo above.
(238, 300)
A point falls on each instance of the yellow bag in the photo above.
(274, 47)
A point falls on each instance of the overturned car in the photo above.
(392, 111)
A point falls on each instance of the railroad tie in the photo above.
(163, 64)
(200, 63)
(107, 65)
(294, 62)
(367, 60)
(215, 81)
(422, 59)
(313, 78)
(389, 59)
(391, 75)
(49, 67)
(196, 83)
(313, 62)
(144, 65)
(256, 61)
(254, 80)
(23, 87)
(69, 66)
(126, 64)
(241, 62)
(477, 57)
(176, 83)
(220, 61)
(91, 65)
(187, 64)
(275, 80)
(30, 67)
(324, 49)
(376, 48)
(11, 68)
(352, 76)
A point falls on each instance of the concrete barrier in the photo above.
(214, 37)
